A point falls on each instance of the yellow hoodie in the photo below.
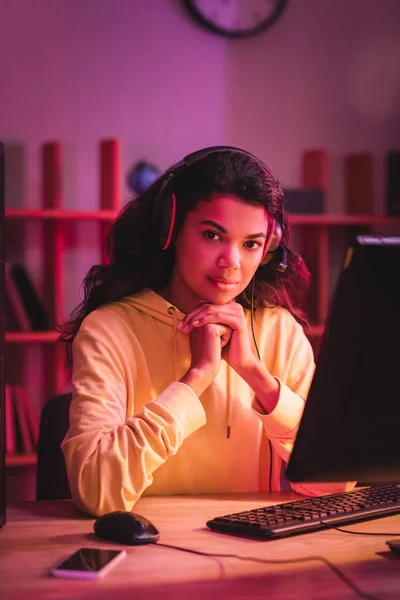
(135, 429)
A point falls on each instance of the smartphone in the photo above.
(88, 563)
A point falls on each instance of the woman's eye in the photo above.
(252, 245)
(211, 235)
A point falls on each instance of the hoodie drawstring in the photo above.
(172, 311)
(228, 401)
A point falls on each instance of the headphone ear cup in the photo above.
(164, 216)
(166, 222)
(281, 260)
(276, 238)
(273, 245)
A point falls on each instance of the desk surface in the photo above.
(39, 534)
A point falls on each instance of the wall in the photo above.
(327, 74)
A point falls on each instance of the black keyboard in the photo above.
(310, 514)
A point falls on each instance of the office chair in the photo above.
(51, 474)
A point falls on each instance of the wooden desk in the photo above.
(39, 534)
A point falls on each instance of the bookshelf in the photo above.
(315, 235)
(54, 219)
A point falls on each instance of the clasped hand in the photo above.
(216, 331)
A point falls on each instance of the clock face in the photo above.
(236, 18)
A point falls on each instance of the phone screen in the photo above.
(88, 559)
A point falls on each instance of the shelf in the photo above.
(21, 460)
(332, 220)
(110, 215)
(60, 214)
(23, 337)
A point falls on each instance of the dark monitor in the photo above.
(350, 429)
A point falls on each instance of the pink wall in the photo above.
(327, 74)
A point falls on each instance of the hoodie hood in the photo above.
(153, 304)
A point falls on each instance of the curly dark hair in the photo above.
(137, 261)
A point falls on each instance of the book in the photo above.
(22, 421)
(11, 441)
(32, 304)
(359, 185)
(314, 169)
(30, 415)
(304, 200)
(15, 313)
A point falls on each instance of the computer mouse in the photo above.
(126, 528)
(394, 545)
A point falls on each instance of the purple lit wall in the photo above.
(327, 74)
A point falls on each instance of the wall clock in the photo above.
(236, 18)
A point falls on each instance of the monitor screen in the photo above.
(350, 429)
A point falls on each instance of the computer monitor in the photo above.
(350, 429)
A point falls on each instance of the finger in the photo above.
(218, 310)
(226, 337)
(192, 314)
(221, 317)
(223, 332)
(207, 306)
(220, 334)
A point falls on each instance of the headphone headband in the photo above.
(164, 217)
(193, 157)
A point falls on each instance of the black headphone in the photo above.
(164, 215)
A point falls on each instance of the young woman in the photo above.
(190, 365)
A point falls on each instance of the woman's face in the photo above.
(217, 252)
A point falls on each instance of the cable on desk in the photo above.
(354, 588)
